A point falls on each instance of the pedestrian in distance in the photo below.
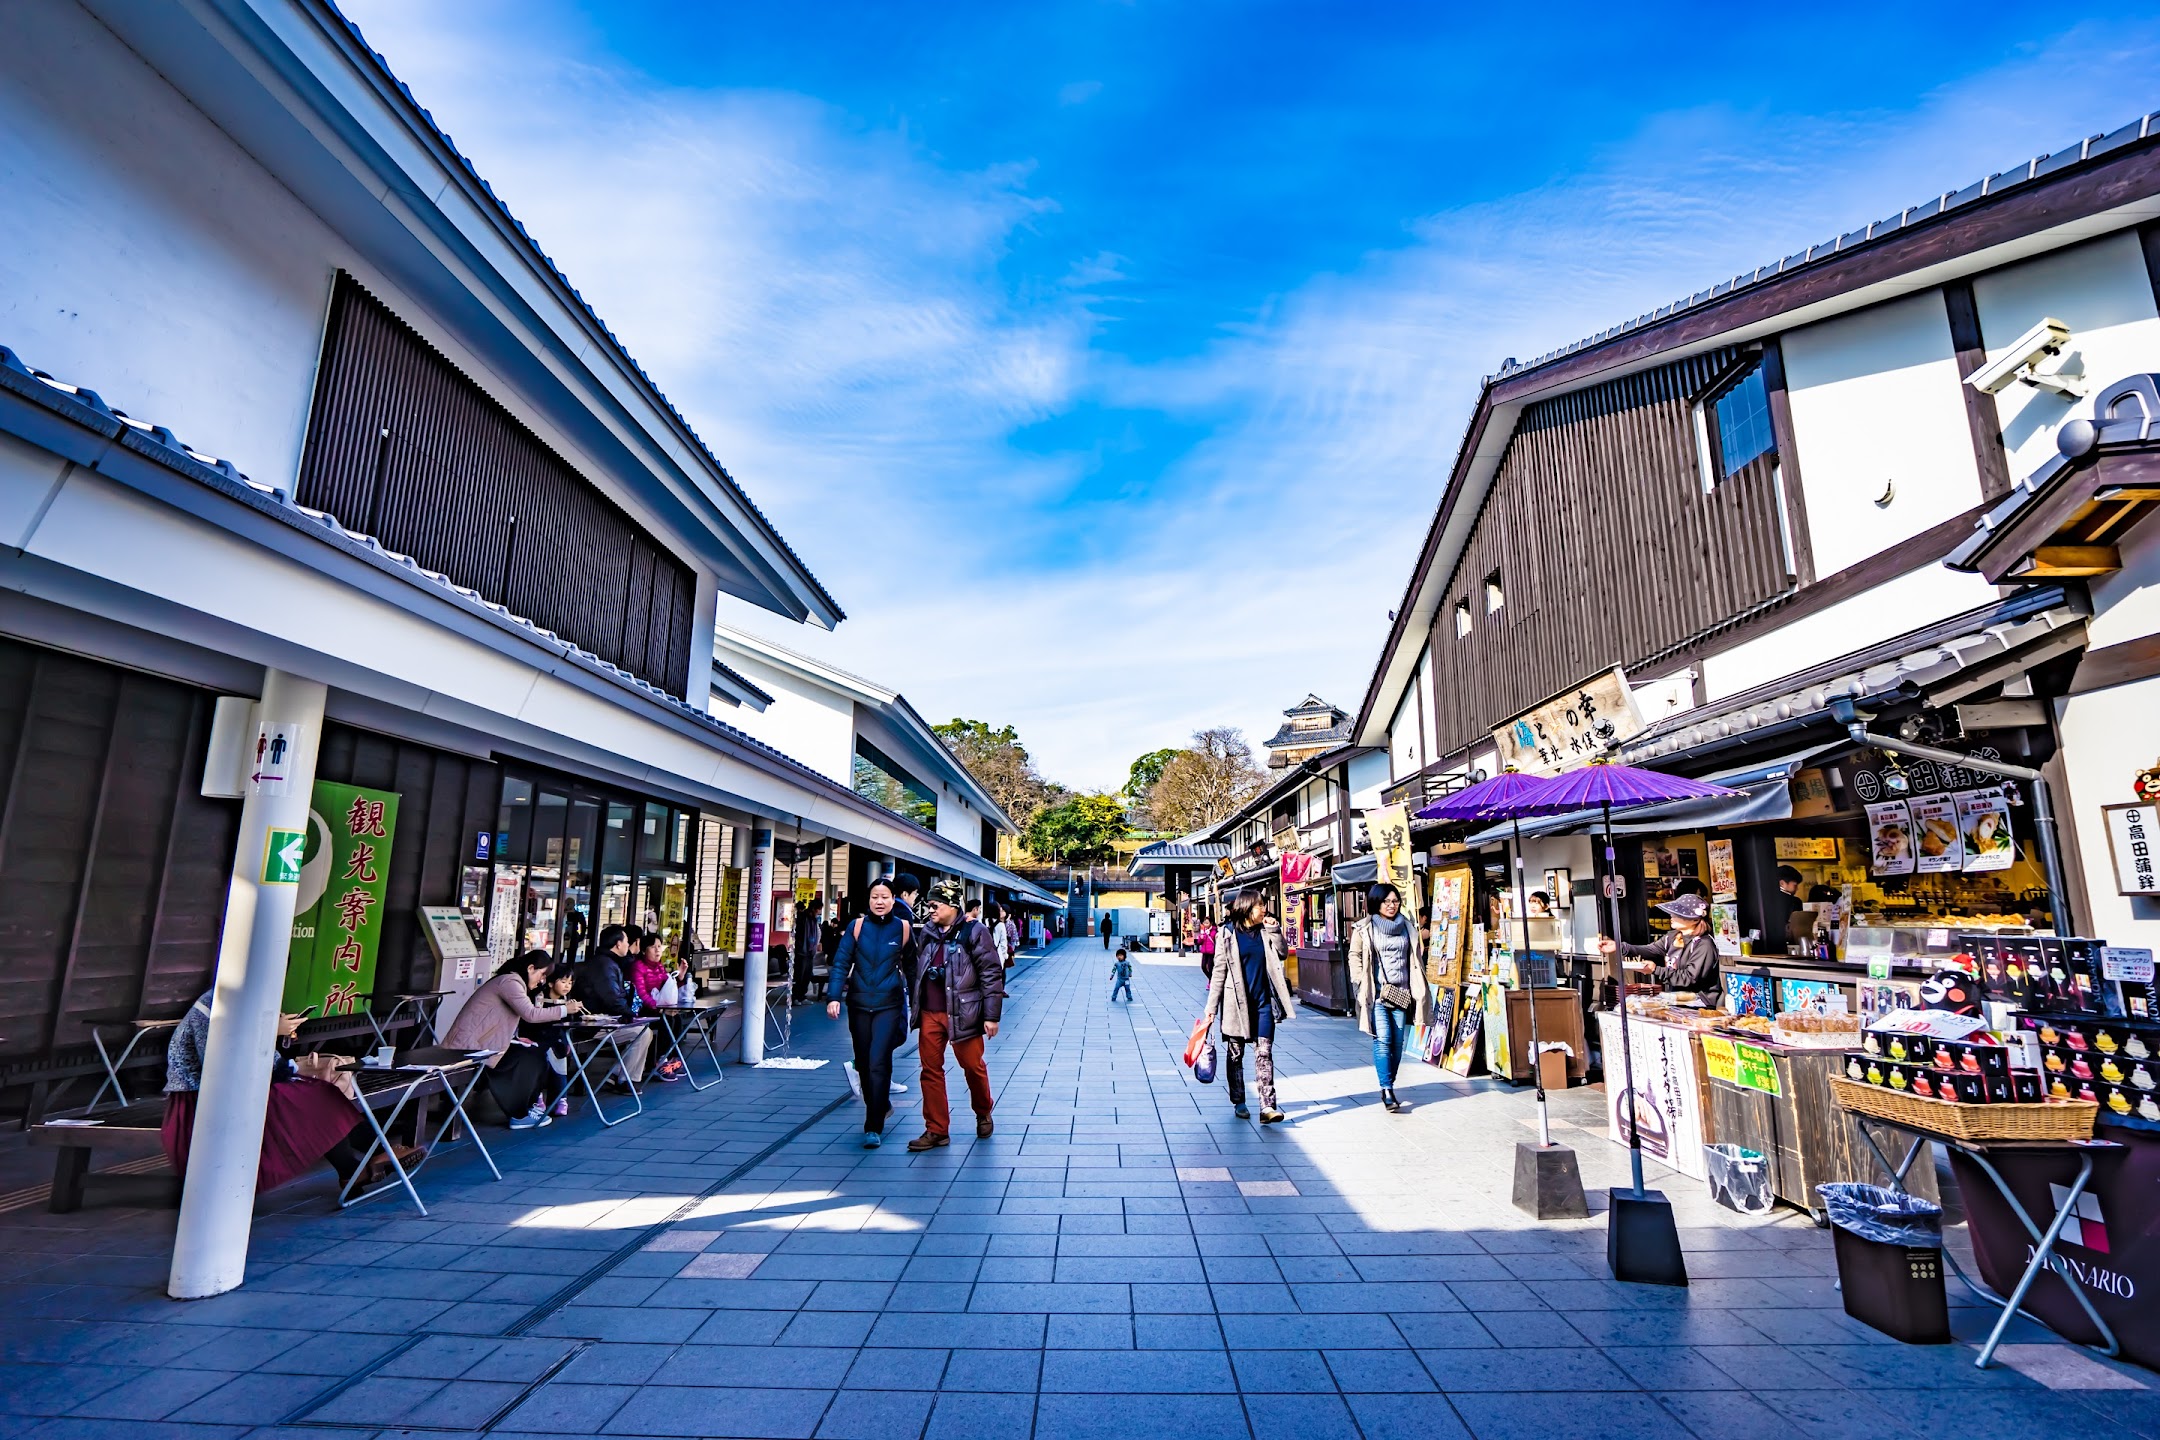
(1389, 983)
(1001, 934)
(808, 947)
(1106, 927)
(958, 989)
(1121, 975)
(1206, 943)
(869, 974)
(1249, 995)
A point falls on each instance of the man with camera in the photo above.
(959, 993)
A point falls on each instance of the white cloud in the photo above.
(824, 301)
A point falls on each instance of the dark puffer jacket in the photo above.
(974, 980)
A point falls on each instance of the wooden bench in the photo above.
(132, 1133)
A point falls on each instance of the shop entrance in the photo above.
(569, 859)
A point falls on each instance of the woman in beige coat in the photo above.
(1249, 993)
(1384, 968)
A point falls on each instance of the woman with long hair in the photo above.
(1249, 994)
(869, 972)
(518, 1075)
(1388, 982)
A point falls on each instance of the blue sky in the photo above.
(1106, 359)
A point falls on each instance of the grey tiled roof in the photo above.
(652, 386)
(1290, 735)
(2141, 128)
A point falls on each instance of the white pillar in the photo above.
(217, 1203)
(759, 903)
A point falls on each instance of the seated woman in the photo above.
(309, 1120)
(648, 973)
(518, 1076)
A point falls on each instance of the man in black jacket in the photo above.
(959, 992)
(604, 989)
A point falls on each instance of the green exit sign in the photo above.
(283, 851)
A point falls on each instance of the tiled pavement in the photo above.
(1122, 1258)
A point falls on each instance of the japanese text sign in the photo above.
(1572, 729)
(344, 879)
(2133, 831)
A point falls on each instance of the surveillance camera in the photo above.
(2021, 359)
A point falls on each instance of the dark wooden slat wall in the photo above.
(1607, 547)
(444, 800)
(113, 867)
(403, 446)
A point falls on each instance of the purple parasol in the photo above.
(1505, 795)
(1619, 787)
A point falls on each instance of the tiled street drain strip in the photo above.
(638, 1241)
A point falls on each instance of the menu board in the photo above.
(1935, 831)
(1724, 882)
(1451, 891)
(1462, 1049)
(1891, 850)
(1984, 830)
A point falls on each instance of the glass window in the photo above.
(1494, 598)
(513, 828)
(879, 779)
(1743, 424)
(1462, 617)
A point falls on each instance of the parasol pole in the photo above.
(1627, 1049)
(1522, 915)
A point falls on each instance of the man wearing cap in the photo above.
(959, 993)
(1685, 957)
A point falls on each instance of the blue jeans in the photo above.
(1124, 983)
(1388, 1028)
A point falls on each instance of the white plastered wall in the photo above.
(2103, 292)
(805, 721)
(1916, 598)
(1876, 407)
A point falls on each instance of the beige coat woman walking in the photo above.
(1249, 995)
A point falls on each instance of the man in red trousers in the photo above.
(959, 992)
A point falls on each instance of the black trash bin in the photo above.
(1889, 1261)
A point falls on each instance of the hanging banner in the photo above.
(727, 924)
(1984, 828)
(1935, 827)
(1890, 838)
(1389, 828)
(759, 889)
(344, 875)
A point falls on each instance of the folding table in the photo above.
(2043, 1237)
(606, 1040)
(113, 1065)
(419, 1075)
(423, 1005)
(682, 1024)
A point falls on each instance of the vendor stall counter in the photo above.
(1776, 1100)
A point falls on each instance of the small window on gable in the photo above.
(1738, 416)
(1462, 618)
(1494, 597)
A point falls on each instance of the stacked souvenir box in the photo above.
(2113, 1061)
(1974, 1071)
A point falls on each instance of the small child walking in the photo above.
(1121, 975)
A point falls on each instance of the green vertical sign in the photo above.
(344, 875)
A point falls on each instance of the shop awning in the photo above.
(1362, 871)
(1765, 794)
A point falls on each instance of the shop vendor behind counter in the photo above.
(1684, 957)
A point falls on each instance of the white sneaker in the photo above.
(897, 1088)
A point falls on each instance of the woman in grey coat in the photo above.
(1388, 982)
(1249, 993)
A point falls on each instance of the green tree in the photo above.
(1145, 772)
(1081, 830)
(1000, 764)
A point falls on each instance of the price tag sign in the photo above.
(1754, 1068)
(1718, 1058)
(2122, 964)
(1878, 967)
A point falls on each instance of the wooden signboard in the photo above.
(1573, 728)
